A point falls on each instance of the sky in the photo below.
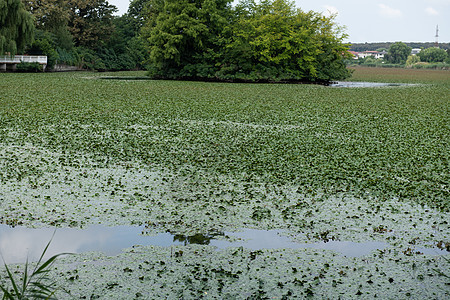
(377, 20)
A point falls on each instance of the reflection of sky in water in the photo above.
(16, 244)
(257, 239)
(19, 242)
(357, 84)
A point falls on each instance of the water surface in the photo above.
(360, 84)
(18, 243)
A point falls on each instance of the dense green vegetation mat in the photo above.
(322, 163)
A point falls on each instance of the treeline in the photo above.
(399, 55)
(268, 40)
(85, 34)
(361, 47)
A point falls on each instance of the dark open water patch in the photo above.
(18, 243)
(357, 84)
(338, 84)
(125, 78)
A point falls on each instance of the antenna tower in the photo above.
(436, 43)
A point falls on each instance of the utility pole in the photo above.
(436, 43)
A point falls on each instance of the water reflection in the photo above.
(199, 239)
(125, 78)
(358, 84)
(18, 243)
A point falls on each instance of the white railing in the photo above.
(6, 59)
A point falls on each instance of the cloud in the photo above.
(389, 12)
(431, 11)
(330, 10)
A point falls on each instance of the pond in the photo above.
(338, 84)
(18, 243)
(358, 84)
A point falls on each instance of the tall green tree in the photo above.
(179, 33)
(398, 53)
(137, 13)
(433, 55)
(16, 26)
(295, 44)
(52, 16)
(49, 14)
(91, 22)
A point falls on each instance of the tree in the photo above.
(52, 16)
(49, 14)
(137, 13)
(16, 26)
(179, 33)
(90, 22)
(398, 53)
(44, 44)
(412, 59)
(433, 55)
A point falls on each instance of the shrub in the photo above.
(28, 67)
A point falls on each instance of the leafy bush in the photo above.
(433, 55)
(412, 59)
(44, 44)
(28, 67)
(88, 59)
(66, 57)
(424, 65)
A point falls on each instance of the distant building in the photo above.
(354, 54)
(415, 51)
(374, 54)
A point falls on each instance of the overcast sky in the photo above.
(378, 20)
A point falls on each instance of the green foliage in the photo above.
(360, 47)
(369, 61)
(116, 62)
(88, 59)
(125, 44)
(398, 53)
(49, 15)
(182, 31)
(104, 42)
(16, 27)
(90, 22)
(433, 55)
(269, 41)
(412, 59)
(65, 57)
(137, 13)
(44, 44)
(437, 66)
(28, 67)
(33, 285)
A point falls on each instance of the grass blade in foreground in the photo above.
(36, 285)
